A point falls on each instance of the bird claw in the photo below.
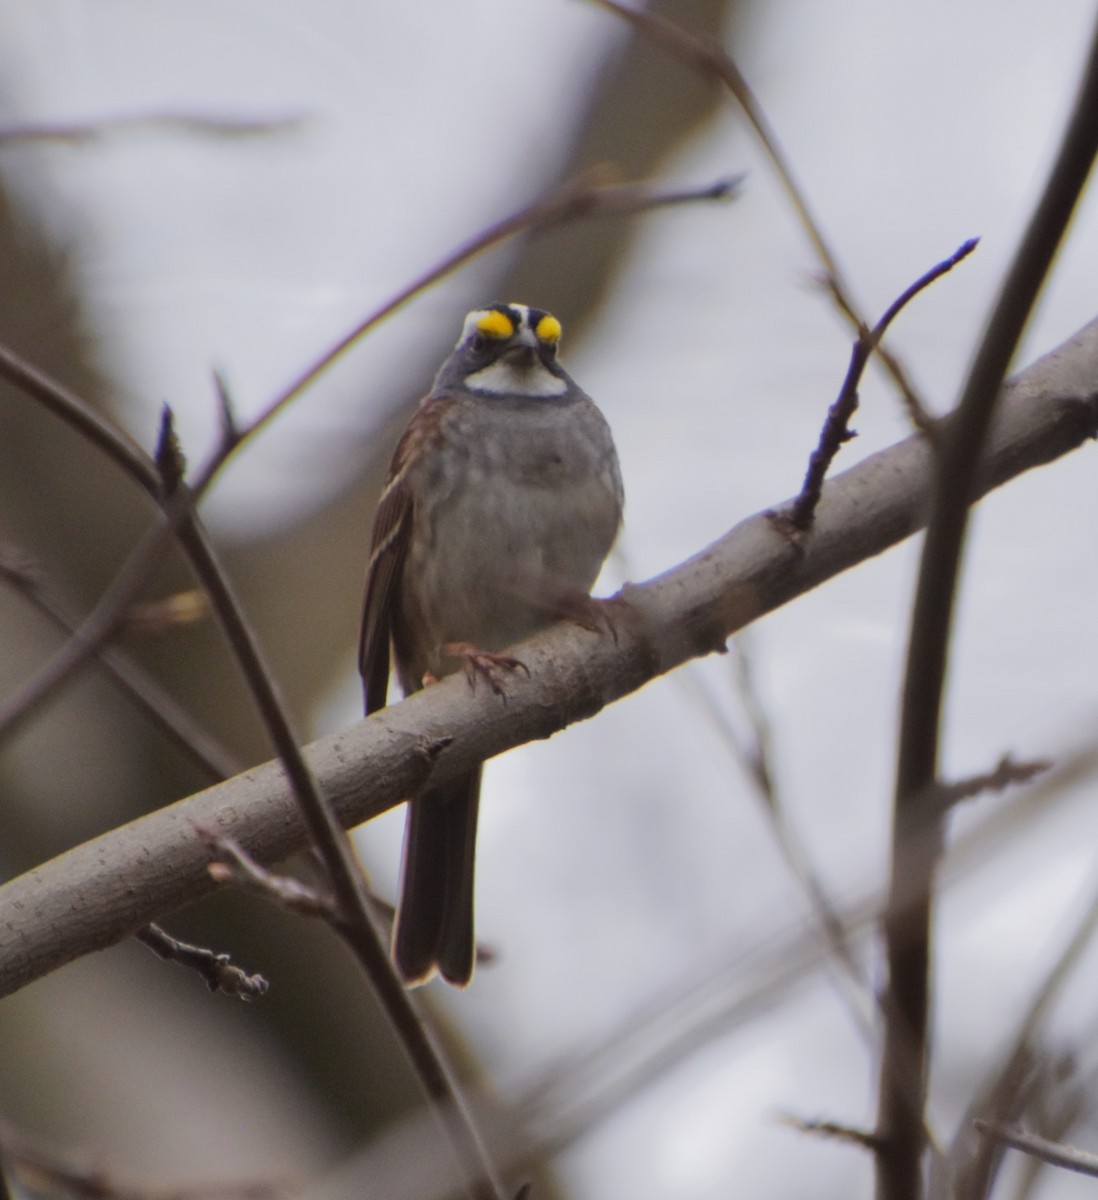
(484, 664)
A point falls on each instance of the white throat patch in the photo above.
(505, 379)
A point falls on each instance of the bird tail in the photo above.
(434, 924)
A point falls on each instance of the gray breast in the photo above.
(525, 512)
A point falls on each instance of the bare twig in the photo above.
(864, 1138)
(568, 1100)
(90, 638)
(163, 478)
(850, 979)
(1007, 773)
(961, 449)
(216, 969)
(46, 1172)
(79, 415)
(93, 129)
(753, 755)
(1056, 1154)
(583, 198)
(757, 754)
(228, 423)
(586, 197)
(592, 195)
(235, 865)
(706, 56)
(325, 833)
(836, 430)
(72, 905)
(999, 1094)
(174, 721)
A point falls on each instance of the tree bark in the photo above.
(102, 891)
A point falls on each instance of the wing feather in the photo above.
(388, 549)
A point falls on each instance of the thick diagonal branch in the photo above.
(102, 891)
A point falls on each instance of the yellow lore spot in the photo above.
(548, 330)
(494, 324)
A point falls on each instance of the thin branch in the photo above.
(177, 501)
(217, 970)
(961, 450)
(582, 198)
(102, 891)
(177, 725)
(754, 758)
(758, 754)
(588, 1087)
(47, 1172)
(90, 638)
(79, 415)
(1007, 773)
(1056, 1154)
(997, 1095)
(707, 57)
(333, 847)
(178, 517)
(864, 1139)
(325, 833)
(591, 195)
(836, 431)
(81, 131)
(862, 1001)
(233, 864)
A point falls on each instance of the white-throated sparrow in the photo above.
(503, 499)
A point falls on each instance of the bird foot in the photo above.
(484, 664)
(588, 613)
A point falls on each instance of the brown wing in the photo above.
(388, 548)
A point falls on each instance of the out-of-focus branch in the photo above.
(1056, 1154)
(575, 1094)
(1002, 1094)
(162, 709)
(751, 751)
(100, 892)
(961, 451)
(94, 129)
(588, 197)
(706, 56)
(163, 478)
(46, 1172)
(592, 195)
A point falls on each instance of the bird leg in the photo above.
(484, 664)
(586, 612)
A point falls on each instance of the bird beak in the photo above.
(524, 353)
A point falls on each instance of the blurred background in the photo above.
(231, 187)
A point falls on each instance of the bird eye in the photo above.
(478, 343)
(548, 330)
